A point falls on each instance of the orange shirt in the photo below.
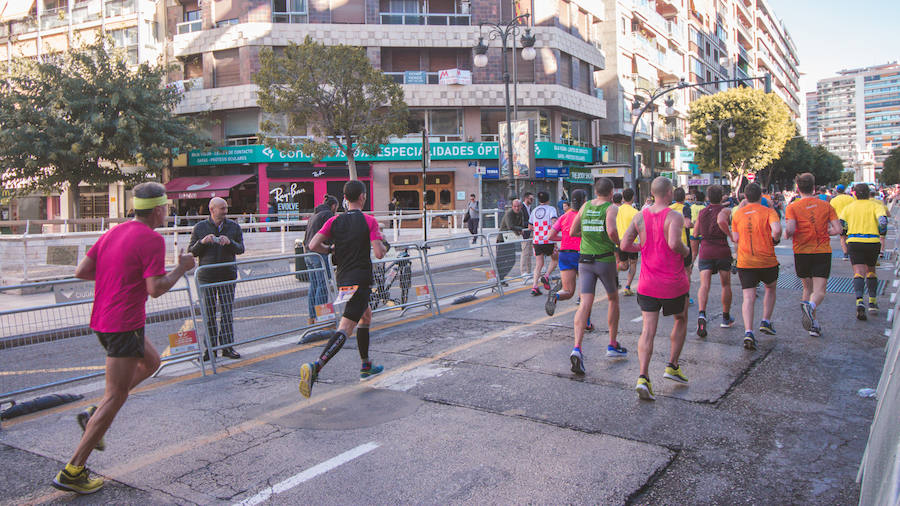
(812, 215)
(753, 225)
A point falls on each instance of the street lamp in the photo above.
(503, 31)
(636, 110)
(719, 124)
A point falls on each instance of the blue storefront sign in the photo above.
(415, 77)
(539, 172)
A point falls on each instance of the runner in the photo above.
(663, 283)
(623, 219)
(598, 261)
(685, 209)
(126, 264)
(839, 202)
(540, 222)
(698, 203)
(356, 236)
(568, 255)
(756, 230)
(811, 221)
(714, 256)
(864, 221)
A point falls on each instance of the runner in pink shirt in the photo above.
(568, 255)
(126, 265)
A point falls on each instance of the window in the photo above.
(565, 70)
(524, 69)
(127, 39)
(191, 16)
(574, 131)
(446, 123)
(226, 22)
(227, 68)
(289, 11)
(405, 6)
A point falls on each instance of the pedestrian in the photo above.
(540, 222)
(864, 221)
(714, 256)
(126, 264)
(318, 278)
(811, 221)
(624, 217)
(598, 260)
(527, 249)
(617, 199)
(218, 240)
(355, 237)
(663, 283)
(472, 217)
(513, 221)
(756, 230)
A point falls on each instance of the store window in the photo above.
(291, 199)
(574, 131)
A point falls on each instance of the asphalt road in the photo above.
(478, 405)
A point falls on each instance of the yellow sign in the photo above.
(183, 341)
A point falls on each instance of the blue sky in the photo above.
(831, 35)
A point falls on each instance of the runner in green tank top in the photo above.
(594, 237)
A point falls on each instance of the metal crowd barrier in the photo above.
(444, 274)
(56, 340)
(267, 295)
(512, 254)
(401, 281)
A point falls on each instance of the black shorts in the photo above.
(128, 344)
(714, 264)
(544, 249)
(812, 265)
(668, 306)
(864, 253)
(750, 278)
(628, 255)
(358, 303)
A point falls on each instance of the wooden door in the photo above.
(439, 196)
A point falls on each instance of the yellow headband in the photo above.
(150, 203)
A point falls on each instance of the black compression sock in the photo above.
(334, 345)
(362, 341)
(872, 286)
(859, 286)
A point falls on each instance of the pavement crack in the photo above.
(740, 378)
(660, 471)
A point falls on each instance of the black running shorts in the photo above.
(357, 305)
(715, 264)
(668, 306)
(128, 344)
(812, 265)
(544, 249)
(628, 255)
(750, 278)
(864, 253)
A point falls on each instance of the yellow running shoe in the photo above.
(675, 374)
(307, 378)
(644, 389)
(80, 482)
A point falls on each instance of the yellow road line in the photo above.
(50, 371)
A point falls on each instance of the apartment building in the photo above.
(857, 116)
(813, 133)
(657, 43)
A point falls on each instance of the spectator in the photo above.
(218, 240)
(318, 286)
(527, 250)
(472, 217)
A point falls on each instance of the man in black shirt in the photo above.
(318, 289)
(214, 241)
(355, 237)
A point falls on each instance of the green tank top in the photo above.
(594, 239)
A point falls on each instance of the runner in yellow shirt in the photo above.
(839, 202)
(864, 221)
(623, 220)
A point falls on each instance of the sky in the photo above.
(832, 35)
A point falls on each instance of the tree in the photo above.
(890, 174)
(761, 123)
(799, 156)
(84, 116)
(827, 166)
(335, 92)
(846, 178)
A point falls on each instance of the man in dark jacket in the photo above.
(214, 241)
(318, 287)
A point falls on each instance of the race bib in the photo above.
(324, 313)
(345, 293)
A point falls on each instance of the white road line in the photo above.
(893, 297)
(896, 282)
(309, 474)
(890, 315)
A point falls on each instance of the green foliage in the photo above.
(84, 116)
(890, 174)
(799, 156)
(761, 123)
(336, 93)
(846, 178)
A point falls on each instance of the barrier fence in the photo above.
(450, 278)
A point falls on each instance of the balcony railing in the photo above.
(53, 18)
(84, 12)
(645, 8)
(121, 8)
(402, 78)
(189, 26)
(26, 25)
(414, 18)
(290, 17)
(242, 141)
(743, 53)
(496, 138)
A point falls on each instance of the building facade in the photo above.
(857, 117)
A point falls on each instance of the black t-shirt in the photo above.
(352, 233)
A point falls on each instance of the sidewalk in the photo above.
(478, 406)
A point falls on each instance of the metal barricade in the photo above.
(49, 336)
(452, 262)
(270, 297)
(401, 281)
(513, 255)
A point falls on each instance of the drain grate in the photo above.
(790, 281)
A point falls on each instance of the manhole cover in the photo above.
(790, 281)
(353, 410)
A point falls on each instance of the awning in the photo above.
(203, 187)
(16, 9)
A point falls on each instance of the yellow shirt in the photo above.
(840, 201)
(695, 213)
(679, 208)
(861, 217)
(623, 219)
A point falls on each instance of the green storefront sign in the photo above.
(580, 175)
(389, 152)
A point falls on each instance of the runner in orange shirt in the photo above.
(756, 230)
(811, 221)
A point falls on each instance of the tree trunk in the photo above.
(351, 163)
(74, 200)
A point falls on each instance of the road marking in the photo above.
(895, 283)
(893, 297)
(890, 315)
(309, 474)
(60, 369)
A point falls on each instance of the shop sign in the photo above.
(554, 151)
(670, 175)
(686, 156)
(551, 172)
(700, 180)
(579, 175)
(608, 171)
(5, 196)
(415, 77)
(454, 76)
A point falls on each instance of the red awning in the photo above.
(203, 187)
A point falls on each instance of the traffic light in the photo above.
(768, 85)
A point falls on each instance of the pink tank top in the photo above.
(662, 270)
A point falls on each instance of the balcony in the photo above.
(413, 18)
(676, 32)
(189, 26)
(54, 18)
(647, 10)
(86, 12)
(120, 8)
(743, 53)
